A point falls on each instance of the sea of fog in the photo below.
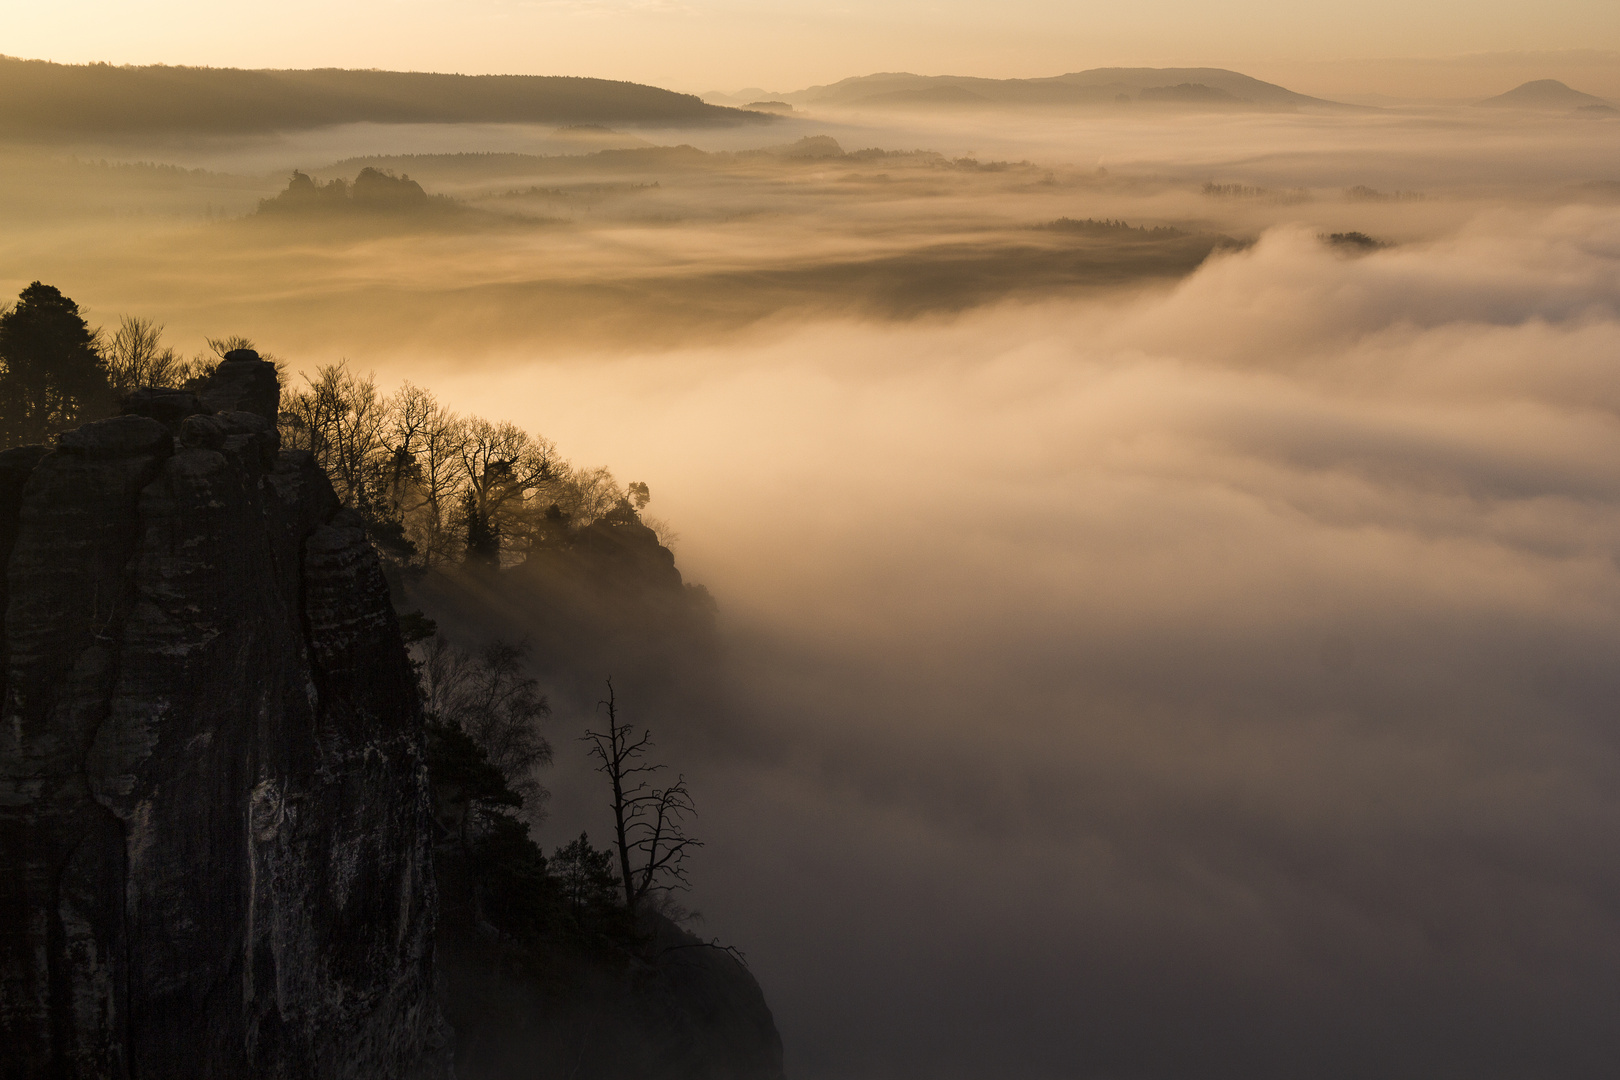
(1212, 677)
(1219, 681)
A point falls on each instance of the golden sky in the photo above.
(701, 45)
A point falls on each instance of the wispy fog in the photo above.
(1152, 673)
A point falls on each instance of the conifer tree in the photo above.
(51, 372)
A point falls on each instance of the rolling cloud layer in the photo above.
(1218, 681)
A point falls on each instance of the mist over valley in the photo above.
(1157, 529)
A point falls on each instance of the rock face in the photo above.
(214, 820)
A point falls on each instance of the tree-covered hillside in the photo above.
(53, 100)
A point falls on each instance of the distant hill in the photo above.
(1188, 87)
(42, 99)
(1545, 94)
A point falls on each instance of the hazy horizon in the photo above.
(1438, 49)
(1379, 79)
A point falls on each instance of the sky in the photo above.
(1433, 47)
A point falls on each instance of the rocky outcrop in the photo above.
(213, 806)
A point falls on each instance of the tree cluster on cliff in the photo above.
(437, 487)
(57, 371)
(433, 486)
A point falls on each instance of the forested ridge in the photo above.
(45, 99)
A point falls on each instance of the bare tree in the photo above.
(339, 419)
(589, 495)
(406, 416)
(424, 441)
(137, 357)
(488, 695)
(228, 344)
(503, 468)
(648, 821)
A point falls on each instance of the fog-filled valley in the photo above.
(1164, 562)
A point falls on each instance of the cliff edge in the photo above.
(214, 812)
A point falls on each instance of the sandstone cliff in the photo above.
(214, 820)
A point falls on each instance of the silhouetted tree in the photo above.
(422, 440)
(592, 494)
(502, 465)
(137, 357)
(341, 417)
(648, 822)
(51, 372)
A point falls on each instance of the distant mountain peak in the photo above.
(1542, 94)
(1099, 87)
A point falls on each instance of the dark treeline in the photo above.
(1247, 191)
(50, 100)
(1353, 241)
(1363, 193)
(1089, 227)
(572, 961)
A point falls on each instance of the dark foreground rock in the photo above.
(677, 1010)
(214, 819)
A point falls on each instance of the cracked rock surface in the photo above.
(214, 819)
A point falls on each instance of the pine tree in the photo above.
(52, 376)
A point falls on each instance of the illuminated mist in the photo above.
(1217, 682)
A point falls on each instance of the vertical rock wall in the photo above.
(213, 804)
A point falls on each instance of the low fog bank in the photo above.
(1215, 683)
